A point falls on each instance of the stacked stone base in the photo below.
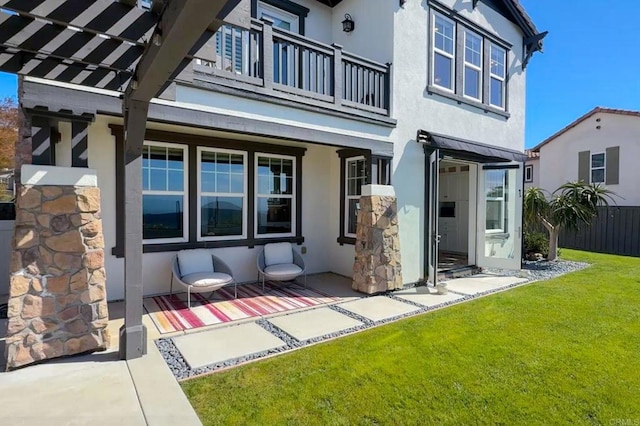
(57, 297)
(377, 267)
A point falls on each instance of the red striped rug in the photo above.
(172, 314)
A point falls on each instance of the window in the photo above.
(528, 173)
(496, 185)
(281, 19)
(275, 199)
(444, 35)
(472, 65)
(498, 74)
(164, 195)
(356, 175)
(144, 4)
(598, 167)
(222, 185)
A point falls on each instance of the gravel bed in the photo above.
(541, 269)
(537, 270)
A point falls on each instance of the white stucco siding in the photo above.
(373, 34)
(415, 109)
(320, 201)
(559, 158)
(318, 21)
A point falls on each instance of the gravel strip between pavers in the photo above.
(539, 270)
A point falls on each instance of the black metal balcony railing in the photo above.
(287, 62)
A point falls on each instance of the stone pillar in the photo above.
(377, 267)
(57, 296)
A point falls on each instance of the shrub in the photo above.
(536, 242)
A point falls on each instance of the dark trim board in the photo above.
(194, 141)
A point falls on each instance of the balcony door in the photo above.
(283, 52)
(281, 19)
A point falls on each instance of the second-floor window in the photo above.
(443, 52)
(598, 167)
(476, 71)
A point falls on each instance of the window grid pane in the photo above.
(274, 195)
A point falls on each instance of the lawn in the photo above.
(561, 351)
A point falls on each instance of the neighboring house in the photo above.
(532, 169)
(600, 147)
(271, 133)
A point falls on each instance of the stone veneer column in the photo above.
(377, 267)
(57, 297)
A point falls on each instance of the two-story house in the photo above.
(271, 132)
(598, 147)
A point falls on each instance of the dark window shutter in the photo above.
(613, 166)
(584, 166)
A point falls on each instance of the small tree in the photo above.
(571, 205)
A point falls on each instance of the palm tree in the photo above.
(571, 205)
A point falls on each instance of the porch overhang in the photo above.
(70, 100)
(468, 150)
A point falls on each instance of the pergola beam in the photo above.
(180, 29)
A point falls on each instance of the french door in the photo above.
(434, 236)
(499, 229)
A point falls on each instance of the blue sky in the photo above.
(590, 59)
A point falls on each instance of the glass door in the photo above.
(499, 243)
(434, 236)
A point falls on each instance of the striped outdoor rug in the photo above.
(172, 314)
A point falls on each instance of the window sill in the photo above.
(347, 240)
(249, 243)
(434, 90)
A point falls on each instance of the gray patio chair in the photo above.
(199, 271)
(280, 262)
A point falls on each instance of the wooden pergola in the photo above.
(115, 45)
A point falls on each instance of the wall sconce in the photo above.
(348, 25)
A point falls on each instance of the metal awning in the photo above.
(469, 150)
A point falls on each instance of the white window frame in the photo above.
(184, 193)
(472, 66)
(292, 196)
(501, 78)
(603, 168)
(435, 51)
(348, 197)
(528, 169)
(201, 193)
(283, 15)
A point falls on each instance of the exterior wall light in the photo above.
(348, 25)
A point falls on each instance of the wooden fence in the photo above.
(616, 230)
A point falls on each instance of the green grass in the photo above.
(561, 351)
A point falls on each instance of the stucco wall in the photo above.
(321, 196)
(559, 158)
(416, 109)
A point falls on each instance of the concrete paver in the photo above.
(160, 395)
(314, 323)
(378, 308)
(222, 344)
(482, 282)
(426, 296)
(91, 389)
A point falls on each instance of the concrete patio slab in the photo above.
(315, 323)
(378, 308)
(334, 285)
(160, 395)
(222, 344)
(91, 389)
(482, 282)
(426, 296)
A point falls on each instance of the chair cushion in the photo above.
(192, 261)
(278, 254)
(207, 279)
(283, 272)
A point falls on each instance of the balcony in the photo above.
(281, 66)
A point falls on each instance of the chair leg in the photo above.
(189, 297)
(171, 287)
(262, 283)
(305, 280)
(235, 290)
